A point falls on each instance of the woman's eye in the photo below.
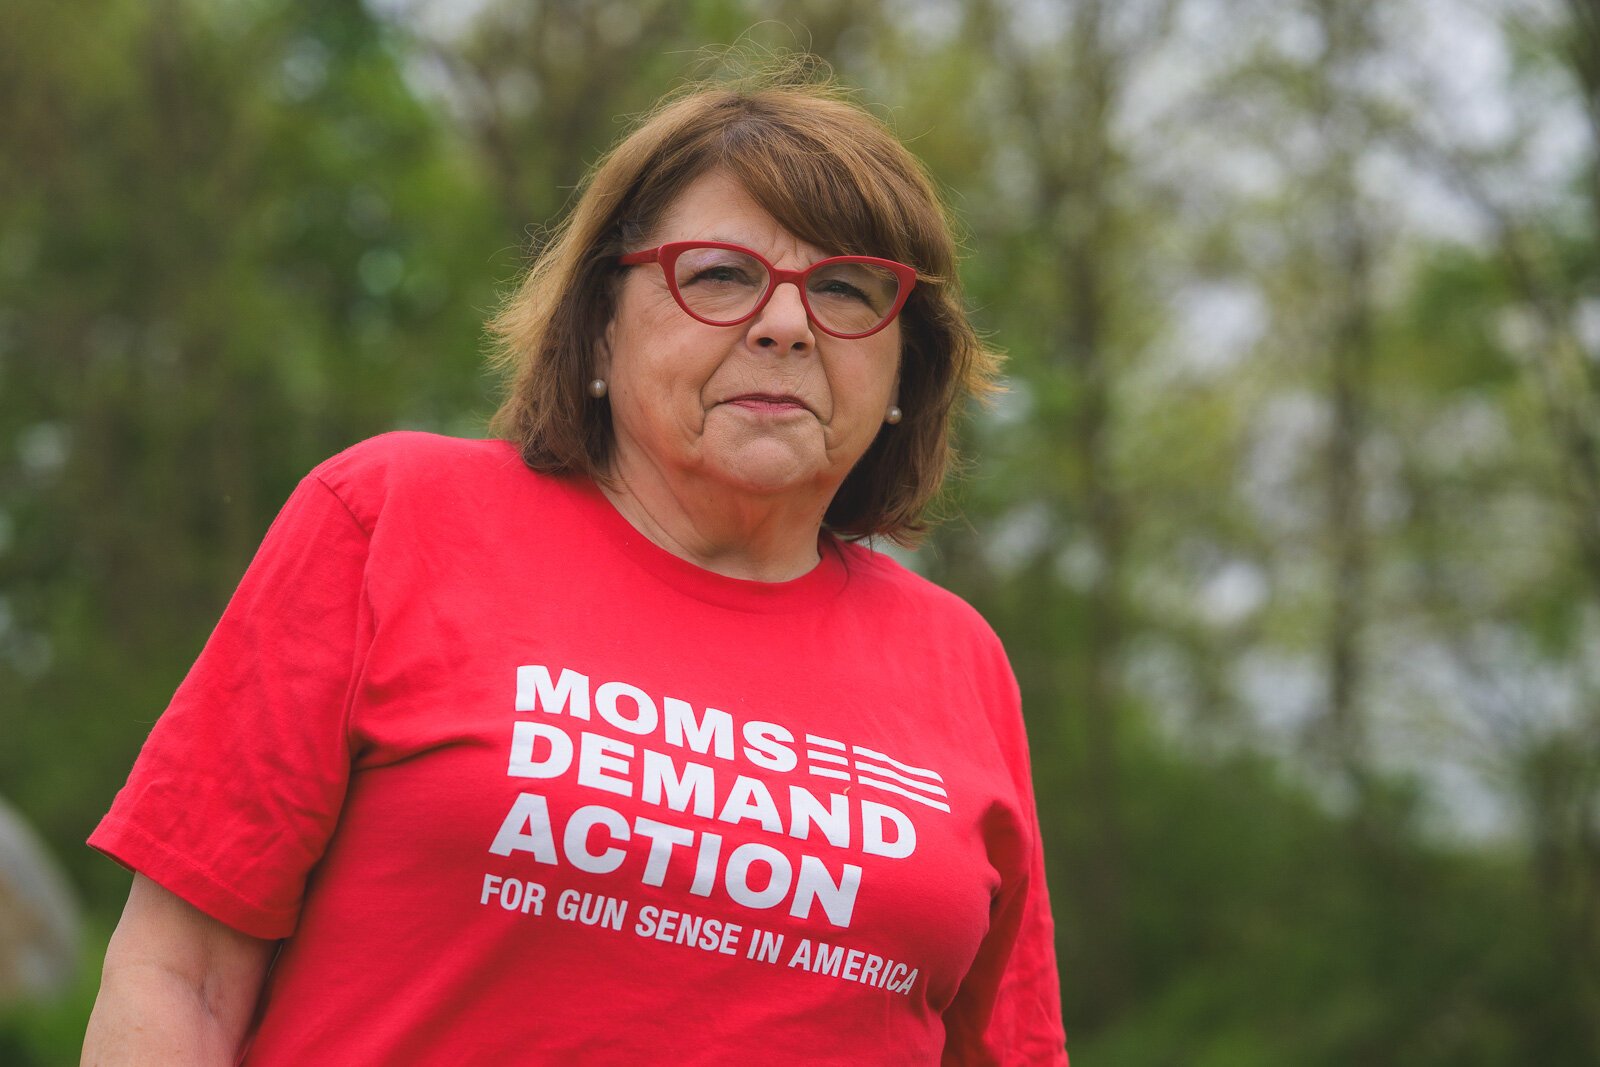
(723, 273)
(852, 284)
(838, 289)
(719, 274)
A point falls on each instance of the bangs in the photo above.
(791, 180)
(827, 186)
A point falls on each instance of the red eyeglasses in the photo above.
(724, 284)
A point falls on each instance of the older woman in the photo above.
(607, 742)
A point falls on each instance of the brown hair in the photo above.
(828, 172)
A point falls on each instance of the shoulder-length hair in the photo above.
(830, 173)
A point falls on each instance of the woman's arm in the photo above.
(179, 987)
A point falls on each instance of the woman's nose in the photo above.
(783, 322)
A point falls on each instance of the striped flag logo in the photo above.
(827, 758)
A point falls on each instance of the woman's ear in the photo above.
(602, 352)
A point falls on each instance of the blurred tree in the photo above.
(231, 247)
(1064, 90)
(1532, 299)
(1344, 231)
(1273, 455)
(536, 89)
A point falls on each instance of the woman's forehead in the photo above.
(717, 207)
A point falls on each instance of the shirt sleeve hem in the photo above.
(137, 850)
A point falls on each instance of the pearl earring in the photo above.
(893, 416)
(597, 388)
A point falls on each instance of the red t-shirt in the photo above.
(518, 786)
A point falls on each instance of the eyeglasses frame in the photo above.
(666, 257)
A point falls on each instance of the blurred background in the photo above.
(1290, 517)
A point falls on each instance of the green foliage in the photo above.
(237, 245)
(1268, 932)
(236, 237)
(50, 1034)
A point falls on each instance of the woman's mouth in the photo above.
(767, 403)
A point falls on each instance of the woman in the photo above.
(604, 742)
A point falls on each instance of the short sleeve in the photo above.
(239, 785)
(1008, 1009)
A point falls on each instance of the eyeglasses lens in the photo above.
(723, 285)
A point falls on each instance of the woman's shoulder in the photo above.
(420, 468)
(412, 451)
(880, 578)
(914, 619)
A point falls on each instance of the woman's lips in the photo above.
(767, 403)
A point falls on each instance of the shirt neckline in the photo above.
(818, 585)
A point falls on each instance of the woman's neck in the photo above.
(759, 537)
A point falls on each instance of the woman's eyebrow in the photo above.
(744, 242)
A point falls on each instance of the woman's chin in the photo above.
(768, 468)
